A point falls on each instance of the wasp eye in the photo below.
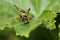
(21, 16)
(22, 11)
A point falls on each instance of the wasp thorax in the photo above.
(25, 19)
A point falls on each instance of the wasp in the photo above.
(24, 16)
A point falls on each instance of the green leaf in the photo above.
(6, 13)
(39, 9)
(47, 18)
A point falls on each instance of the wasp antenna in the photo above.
(17, 7)
(28, 11)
